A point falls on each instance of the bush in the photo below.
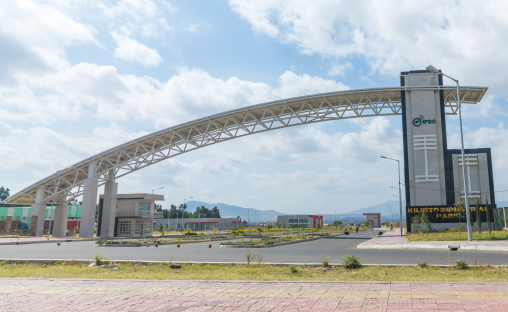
(461, 264)
(99, 259)
(249, 256)
(422, 265)
(351, 262)
(325, 261)
(293, 269)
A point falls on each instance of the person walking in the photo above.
(357, 229)
(391, 227)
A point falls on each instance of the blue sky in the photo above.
(80, 77)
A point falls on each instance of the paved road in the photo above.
(308, 252)
(186, 296)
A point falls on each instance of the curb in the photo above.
(442, 247)
(48, 241)
(313, 264)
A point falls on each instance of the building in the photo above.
(433, 174)
(373, 219)
(133, 216)
(197, 224)
(300, 221)
(13, 218)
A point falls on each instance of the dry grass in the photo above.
(254, 272)
(456, 236)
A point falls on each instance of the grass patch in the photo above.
(456, 236)
(255, 272)
(272, 240)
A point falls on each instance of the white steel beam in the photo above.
(161, 145)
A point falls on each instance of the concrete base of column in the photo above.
(60, 222)
(109, 210)
(8, 225)
(88, 209)
(38, 213)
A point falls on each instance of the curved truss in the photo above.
(173, 141)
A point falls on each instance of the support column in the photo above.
(109, 206)
(38, 213)
(60, 220)
(87, 224)
(8, 225)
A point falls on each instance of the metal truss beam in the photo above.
(161, 145)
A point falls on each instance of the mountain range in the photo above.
(389, 212)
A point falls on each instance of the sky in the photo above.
(80, 77)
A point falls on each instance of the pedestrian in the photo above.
(391, 227)
(357, 229)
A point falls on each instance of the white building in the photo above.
(134, 215)
(301, 221)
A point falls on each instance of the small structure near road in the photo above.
(373, 219)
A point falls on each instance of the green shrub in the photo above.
(99, 259)
(461, 264)
(325, 261)
(351, 262)
(422, 265)
(293, 269)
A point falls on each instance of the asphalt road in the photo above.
(301, 253)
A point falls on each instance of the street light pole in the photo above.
(400, 193)
(466, 180)
(183, 208)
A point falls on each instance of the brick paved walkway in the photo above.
(392, 240)
(142, 295)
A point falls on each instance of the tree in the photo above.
(337, 223)
(172, 211)
(478, 217)
(488, 214)
(215, 212)
(4, 193)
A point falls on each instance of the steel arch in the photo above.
(161, 145)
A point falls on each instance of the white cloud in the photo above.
(391, 36)
(34, 37)
(145, 17)
(131, 50)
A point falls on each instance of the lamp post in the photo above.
(160, 188)
(466, 182)
(400, 192)
(183, 208)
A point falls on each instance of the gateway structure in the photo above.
(432, 171)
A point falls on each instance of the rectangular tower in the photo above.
(424, 139)
(434, 181)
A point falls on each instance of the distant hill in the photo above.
(389, 212)
(254, 215)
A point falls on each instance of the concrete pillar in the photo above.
(87, 224)
(8, 225)
(60, 220)
(38, 213)
(109, 207)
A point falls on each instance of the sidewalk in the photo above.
(392, 240)
(186, 296)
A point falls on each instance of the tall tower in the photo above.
(432, 173)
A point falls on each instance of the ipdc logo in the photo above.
(418, 121)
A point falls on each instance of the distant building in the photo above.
(373, 219)
(197, 224)
(301, 221)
